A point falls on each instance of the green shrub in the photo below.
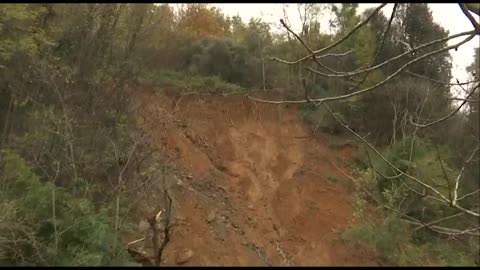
(390, 239)
(393, 239)
(78, 235)
(192, 84)
(344, 110)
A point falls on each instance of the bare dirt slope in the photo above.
(253, 187)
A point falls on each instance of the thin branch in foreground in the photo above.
(439, 220)
(384, 38)
(464, 99)
(440, 82)
(455, 193)
(445, 175)
(308, 48)
(471, 34)
(447, 116)
(342, 38)
(316, 57)
(469, 194)
(444, 199)
(321, 100)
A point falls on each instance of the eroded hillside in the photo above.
(252, 187)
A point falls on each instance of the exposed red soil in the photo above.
(261, 190)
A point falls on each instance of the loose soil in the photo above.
(253, 186)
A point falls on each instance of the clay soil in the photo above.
(254, 187)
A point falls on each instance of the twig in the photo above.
(454, 202)
(447, 116)
(342, 38)
(439, 220)
(136, 241)
(444, 174)
(439, 82)
(471, 35)
(384, 38)
(444, 199)
(340, 97)
(469, 194)
(166, 230)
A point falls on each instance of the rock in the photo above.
(183, 256)
(211, 216)
(251, 207)
(143, 226)
(141, 120)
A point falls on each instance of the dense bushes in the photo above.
(398, 241)
(46, 225)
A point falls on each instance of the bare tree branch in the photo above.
(444, 199)
(471, 35)
(308, 48)
(445, 175)
(440, 82)
(439, 220)
(342, 38)
(469, 194)
(454, 202)
(320, 100)
(384, 38)
(447, 116)
(316, 57)
(464, 99)
(465, 11)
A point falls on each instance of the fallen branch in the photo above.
(136, 241)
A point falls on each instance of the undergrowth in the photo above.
(187, 84)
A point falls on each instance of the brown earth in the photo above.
(253, 187)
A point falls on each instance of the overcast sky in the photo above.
(449, 16)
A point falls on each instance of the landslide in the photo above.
(252, 186)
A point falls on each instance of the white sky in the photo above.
(449, 16)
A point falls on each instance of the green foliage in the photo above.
(77, 234)
(395, 243)
(218, 57)
(418, 158)
(19, 30)
(391, 239)
(193, 84)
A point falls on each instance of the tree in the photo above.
(420, 49)
(198, 20)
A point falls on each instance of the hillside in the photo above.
(251, 187)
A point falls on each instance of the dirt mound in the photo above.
(257, 189)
